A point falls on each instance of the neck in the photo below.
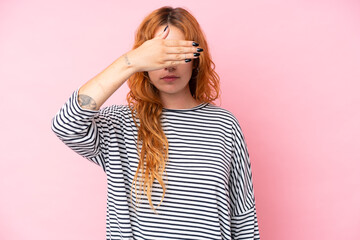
(182, 100)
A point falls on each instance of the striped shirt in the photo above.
(209, 191)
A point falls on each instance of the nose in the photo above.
(170, 69)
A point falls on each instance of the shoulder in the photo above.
(117, 112)
(115, 109)
(224, 113)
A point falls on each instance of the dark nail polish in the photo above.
(166, 28)
(200, 50)
(195, 44)
(187, 60)
(196, 54)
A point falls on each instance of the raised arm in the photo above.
(153, 54)
(86, 128)
(98, 89)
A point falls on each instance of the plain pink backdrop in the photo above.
(289, 71)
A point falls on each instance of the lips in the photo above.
(169, 78)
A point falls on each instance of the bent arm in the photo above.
(97, 90)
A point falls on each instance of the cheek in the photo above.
(186, 69)
(154, 75)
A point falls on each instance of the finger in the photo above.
(182, 49)
(174, 63)
(181, 56)
(179, 43)
(164, 33)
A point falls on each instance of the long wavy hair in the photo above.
(144, 99)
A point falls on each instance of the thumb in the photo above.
(164, 33)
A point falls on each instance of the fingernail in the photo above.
(187, 60)
(195, 44)
(166, 28)
(196, 54)
(200, 50)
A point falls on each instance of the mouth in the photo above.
(169, 78)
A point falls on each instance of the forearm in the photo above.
(97, 90)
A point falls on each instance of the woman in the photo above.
(170, 138)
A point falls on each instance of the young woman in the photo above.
(170, 143)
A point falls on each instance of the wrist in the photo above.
(129, 62)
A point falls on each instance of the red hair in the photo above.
(144, 99)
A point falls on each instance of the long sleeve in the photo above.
(84, 131)
(244, 223)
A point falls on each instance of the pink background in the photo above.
(289, 71)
